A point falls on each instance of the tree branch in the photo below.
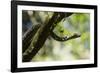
(62, 39)
(28, 37)
(44, 32)
(41, 36)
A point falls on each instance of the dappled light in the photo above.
(77, 24)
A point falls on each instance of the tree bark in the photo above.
(44, 32)
(41, 36)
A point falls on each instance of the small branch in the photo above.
(74, 36)
(63, 39)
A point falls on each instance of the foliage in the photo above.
(52, 50)
(74, 49)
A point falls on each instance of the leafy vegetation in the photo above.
(74, 49)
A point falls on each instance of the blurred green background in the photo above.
(75, 49)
